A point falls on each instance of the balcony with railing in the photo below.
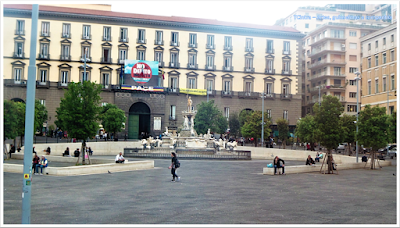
(228, 48)
(106, 60)
(211, 93)
(174, 44)
(249, 49)
(20, 32)
(13, 82)
(269, 71)
(159, 42)
(19, 55)
(62, 85)
(207, 67)
(45, 84)
(192, 45)
(249, 95)
(45, 34)
(286, 52)
(269, 51)
(269, 96)
(286, 72)
(337, 87)
(106, 38)
(325, 38)
(105, 87)
(174, 65)
(249, 69)
(88, 59)
(326, 62)
(66, 35)
(227, 94)
(141, 41)
(124, 40)
(324, 50)
(172, 90)
(172, 118)
(210, 46)
(86, 37)
(44, 57)
(286, 96)
(160, 64)
(227, 68)
(192, 66)
(65, 58)
(324, 74)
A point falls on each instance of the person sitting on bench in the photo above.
(66, 152)
(310, 161)
(76, 152)
(119, 158)
(277, 164)
(43, 164)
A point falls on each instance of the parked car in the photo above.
(341, 147)
(392, 151)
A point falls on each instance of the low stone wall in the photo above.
(86, 169)
(317, 168)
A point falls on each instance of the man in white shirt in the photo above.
(119, 158)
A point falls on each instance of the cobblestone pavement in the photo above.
(210, 192)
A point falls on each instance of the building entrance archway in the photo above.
(139, 121)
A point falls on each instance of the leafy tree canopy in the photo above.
(113, 119)
(79, 109)
(234, 124)
(243, 115)
(393, 127)
(306, 129)
(283, 129)
(373, 126)
(252, 126)
(10, 120)
(41, 115)
(209, 116)
(327, 119)
(348, 128)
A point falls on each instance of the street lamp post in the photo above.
(358, 111)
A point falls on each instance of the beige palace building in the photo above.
(234, 62)
(379, 68)
(331, 57)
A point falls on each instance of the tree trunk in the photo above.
(372, 159)
(284, 143)
(255, 142)
(330, 159)
(83, 151)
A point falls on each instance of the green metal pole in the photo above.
(29, 120)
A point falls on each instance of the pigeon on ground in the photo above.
(109, 171)
(394, 174)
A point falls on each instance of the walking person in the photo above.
(174, 166)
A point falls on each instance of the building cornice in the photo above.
(10, 12)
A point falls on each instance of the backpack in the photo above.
(177, 164)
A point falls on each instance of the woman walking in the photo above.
(173, 167)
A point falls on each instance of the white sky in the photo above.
(253, 12)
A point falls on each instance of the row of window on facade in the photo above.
(158, 56)
(337, 71)
(384, 60)
(172, 113)
(385, 82)
(383, 43)
(141, 39)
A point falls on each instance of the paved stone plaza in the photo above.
(210, 192)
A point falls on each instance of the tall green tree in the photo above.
(252, 126)
(283, 130)
(234, 124)
(327, 119)
(393, 127)
(113, 120)
(209, 116)
(306, 130)
(243, 115)
(10, 120)
(373, 127)
(21, 109)
(349, 130)
(41, 115)
(79, 111)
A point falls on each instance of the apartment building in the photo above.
(331, 57)
(306, 19)
(379, 68)
(235, 63)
